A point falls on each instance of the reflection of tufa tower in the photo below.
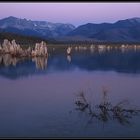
(11, 47)
(68, 54)
(101, 48)
(40, 49)
(9, 60)
(40, 62)
(69, 58)
(104, 99)
(92, 48)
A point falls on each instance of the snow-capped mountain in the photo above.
(43, 29)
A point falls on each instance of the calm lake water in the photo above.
(38, 96)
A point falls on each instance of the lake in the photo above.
(90, 93)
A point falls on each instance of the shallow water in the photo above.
(37, 97)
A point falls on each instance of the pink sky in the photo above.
(74, 13)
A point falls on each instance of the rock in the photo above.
(6, 46)
(15, 50)
(40, 49)
(69, 50)
(11, 48)
(29, 50)
(33, 53)
(0, 49)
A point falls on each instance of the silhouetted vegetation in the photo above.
(105, 110)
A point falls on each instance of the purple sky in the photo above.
(74, 13)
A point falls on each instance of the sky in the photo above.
(74, 13)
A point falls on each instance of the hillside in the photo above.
(122, 31)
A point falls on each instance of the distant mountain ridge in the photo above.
(123, 30)
(127, 30)
(42, 29)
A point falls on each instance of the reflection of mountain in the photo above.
(126, 61)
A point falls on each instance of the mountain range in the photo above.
(127, 30)
(42, 29)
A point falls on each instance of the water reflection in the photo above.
(106, 47)
(40, 62)
(119, 58)
(106, 111)
(92, 48)
(101, 48)
(8, 60)
(69, 58)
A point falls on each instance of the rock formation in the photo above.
(69, 50)
(6, 46)
(0, 49)
(15, 50)
(11, 48)
(40, 49)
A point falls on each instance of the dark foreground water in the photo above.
(41, 97)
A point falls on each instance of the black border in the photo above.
(68, 1)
